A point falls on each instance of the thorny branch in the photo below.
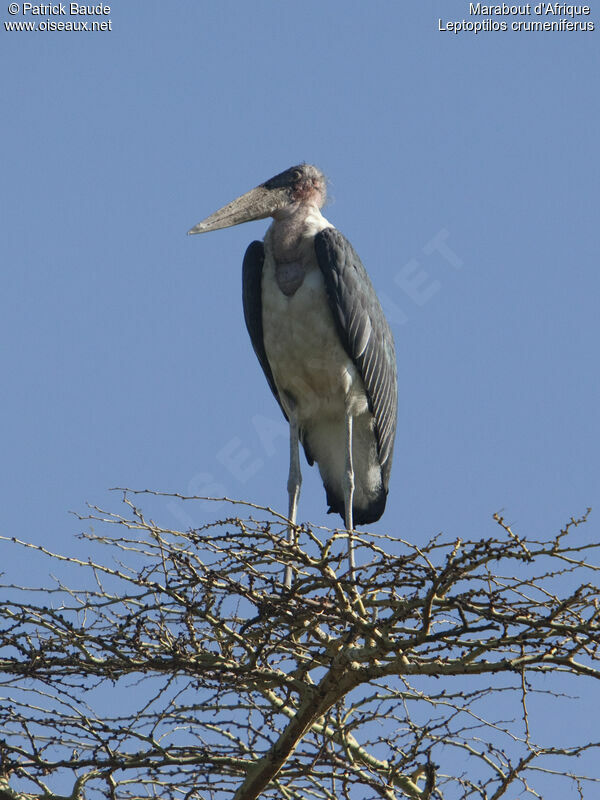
(182, 668)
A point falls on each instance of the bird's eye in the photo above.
(297, 174)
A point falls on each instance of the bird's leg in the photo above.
(349, 517)
(293, 486)
(349, 492)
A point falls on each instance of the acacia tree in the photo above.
(179, 667)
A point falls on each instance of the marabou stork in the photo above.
(323, 342)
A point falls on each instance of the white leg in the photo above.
(293, 487)
(349, 493)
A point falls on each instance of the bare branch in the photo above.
(229, 686)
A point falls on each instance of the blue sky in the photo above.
(125, 358)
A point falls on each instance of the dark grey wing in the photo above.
(252, 299)
(365, 334)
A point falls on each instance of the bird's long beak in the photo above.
(256, 204)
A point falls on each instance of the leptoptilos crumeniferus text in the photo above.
(323, 342)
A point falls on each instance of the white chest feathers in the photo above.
(309, 364)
